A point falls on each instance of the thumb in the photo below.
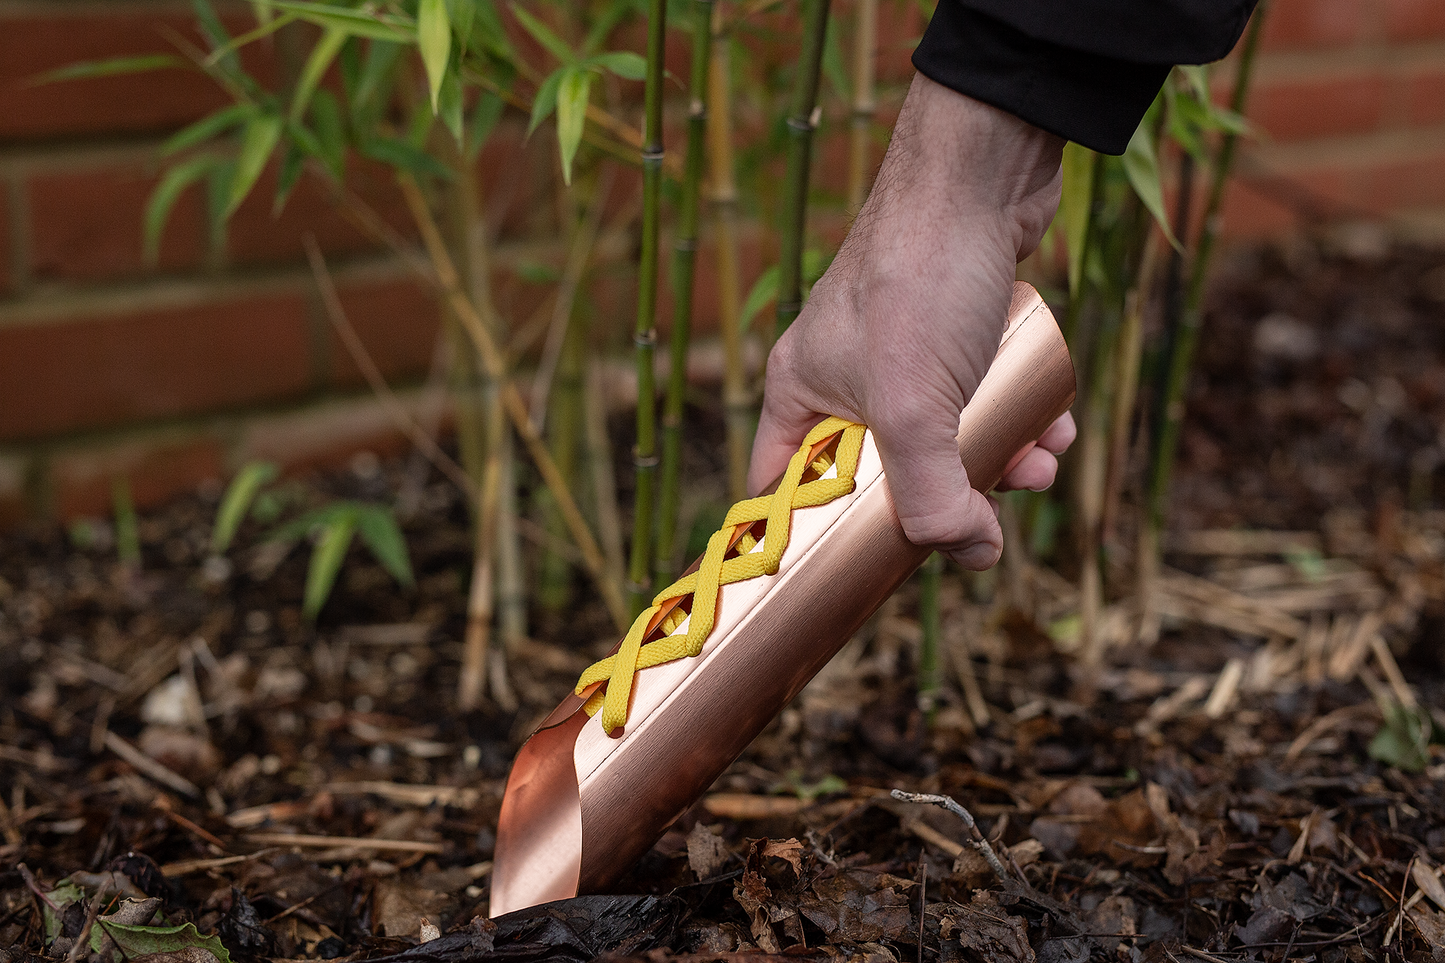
(931, 492)
(782, 426)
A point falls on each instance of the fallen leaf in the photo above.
(706, 853)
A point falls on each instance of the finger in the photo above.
(1034, 472)
(936, 506)
(1060, 435)
(782, 426)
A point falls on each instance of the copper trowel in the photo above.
(582, 806)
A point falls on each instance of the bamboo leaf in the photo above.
(380, 62)
(608, 20)
(164, 197)
(464, 15)
(546, 100)
(1075, 206)
(623, 63)
(207, 127)
(450, 107)
(485, 115)
(544, 36)
(383, 536)
(357, 21)
(398, 153)
(434, 39)
(326, 559)
(114, 67)
(330, 132)
(257, 142)
(764, 292)
(216, 35)
(237, 501)
(293, 160)
(572, 94)
(321, 57)
(493, 34)
(1141, 164)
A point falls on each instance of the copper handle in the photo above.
(581, 806)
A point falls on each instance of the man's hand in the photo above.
(900, 330)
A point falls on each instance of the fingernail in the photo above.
(977, 557)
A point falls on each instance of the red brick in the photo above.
(156, 469)
(518, 177)
(1251, 213)
(109, 371)
(1414, 19)
(1324, 106)
(87, 224)
(397, 322)
(1424, 96)
(1294, 24)
(35, 39)
(256, 235)
(328, 434)
(1390, 186)
(7, 281)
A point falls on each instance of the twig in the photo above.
(351, 842)
(422, 441)
(149, 768)
(977, 840)
(186, 867)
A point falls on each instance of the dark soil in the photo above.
(1139, 820)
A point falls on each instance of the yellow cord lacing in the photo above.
(728, 559)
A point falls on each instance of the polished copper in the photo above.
(581, 807)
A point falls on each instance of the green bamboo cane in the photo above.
(684, 262)
(723, 192)
(800, 147)
(644, 458)
(1181, 358)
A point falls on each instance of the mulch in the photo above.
(189, 771)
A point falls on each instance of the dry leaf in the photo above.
(706, 854)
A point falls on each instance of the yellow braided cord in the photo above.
(720, 567)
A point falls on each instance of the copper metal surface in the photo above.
(581, 806)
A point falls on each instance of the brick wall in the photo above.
(223, 352)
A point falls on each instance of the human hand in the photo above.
(902, 327)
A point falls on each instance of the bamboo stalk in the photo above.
(865, 55)
(644, 457)
(684, 265)
(930, 675)
(802, 119)
(444, 274)
(1126, 385)
(737, 400)
(1181, 357)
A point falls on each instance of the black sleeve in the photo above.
(1083, 69)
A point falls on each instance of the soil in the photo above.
(188, 768)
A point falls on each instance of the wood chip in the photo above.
(1345, 660)
(1229, 541)
(1190, 597)
(1226, 687)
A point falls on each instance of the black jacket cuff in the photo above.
(1089, 98)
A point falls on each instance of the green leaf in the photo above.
(293, 161)
(764, 292)
(321, 57)
(1404, 740)
(330, 132)
(257, 142)
(434, 38)
(450, 107)
(546, 100)
(544, 36)
(357, 21)
(114, 67)
(623, 63)
(207, 127)
(612, 15)
(400, 154)
(1076, 205)
(237, 501)
(216, 35)
(326, 559)
(485, 114)
(572, 95)
(1141, 164)
(464, 15)
(382, 535)
(164, 197)
(127, 525)
(137, 941)
(380, 64)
